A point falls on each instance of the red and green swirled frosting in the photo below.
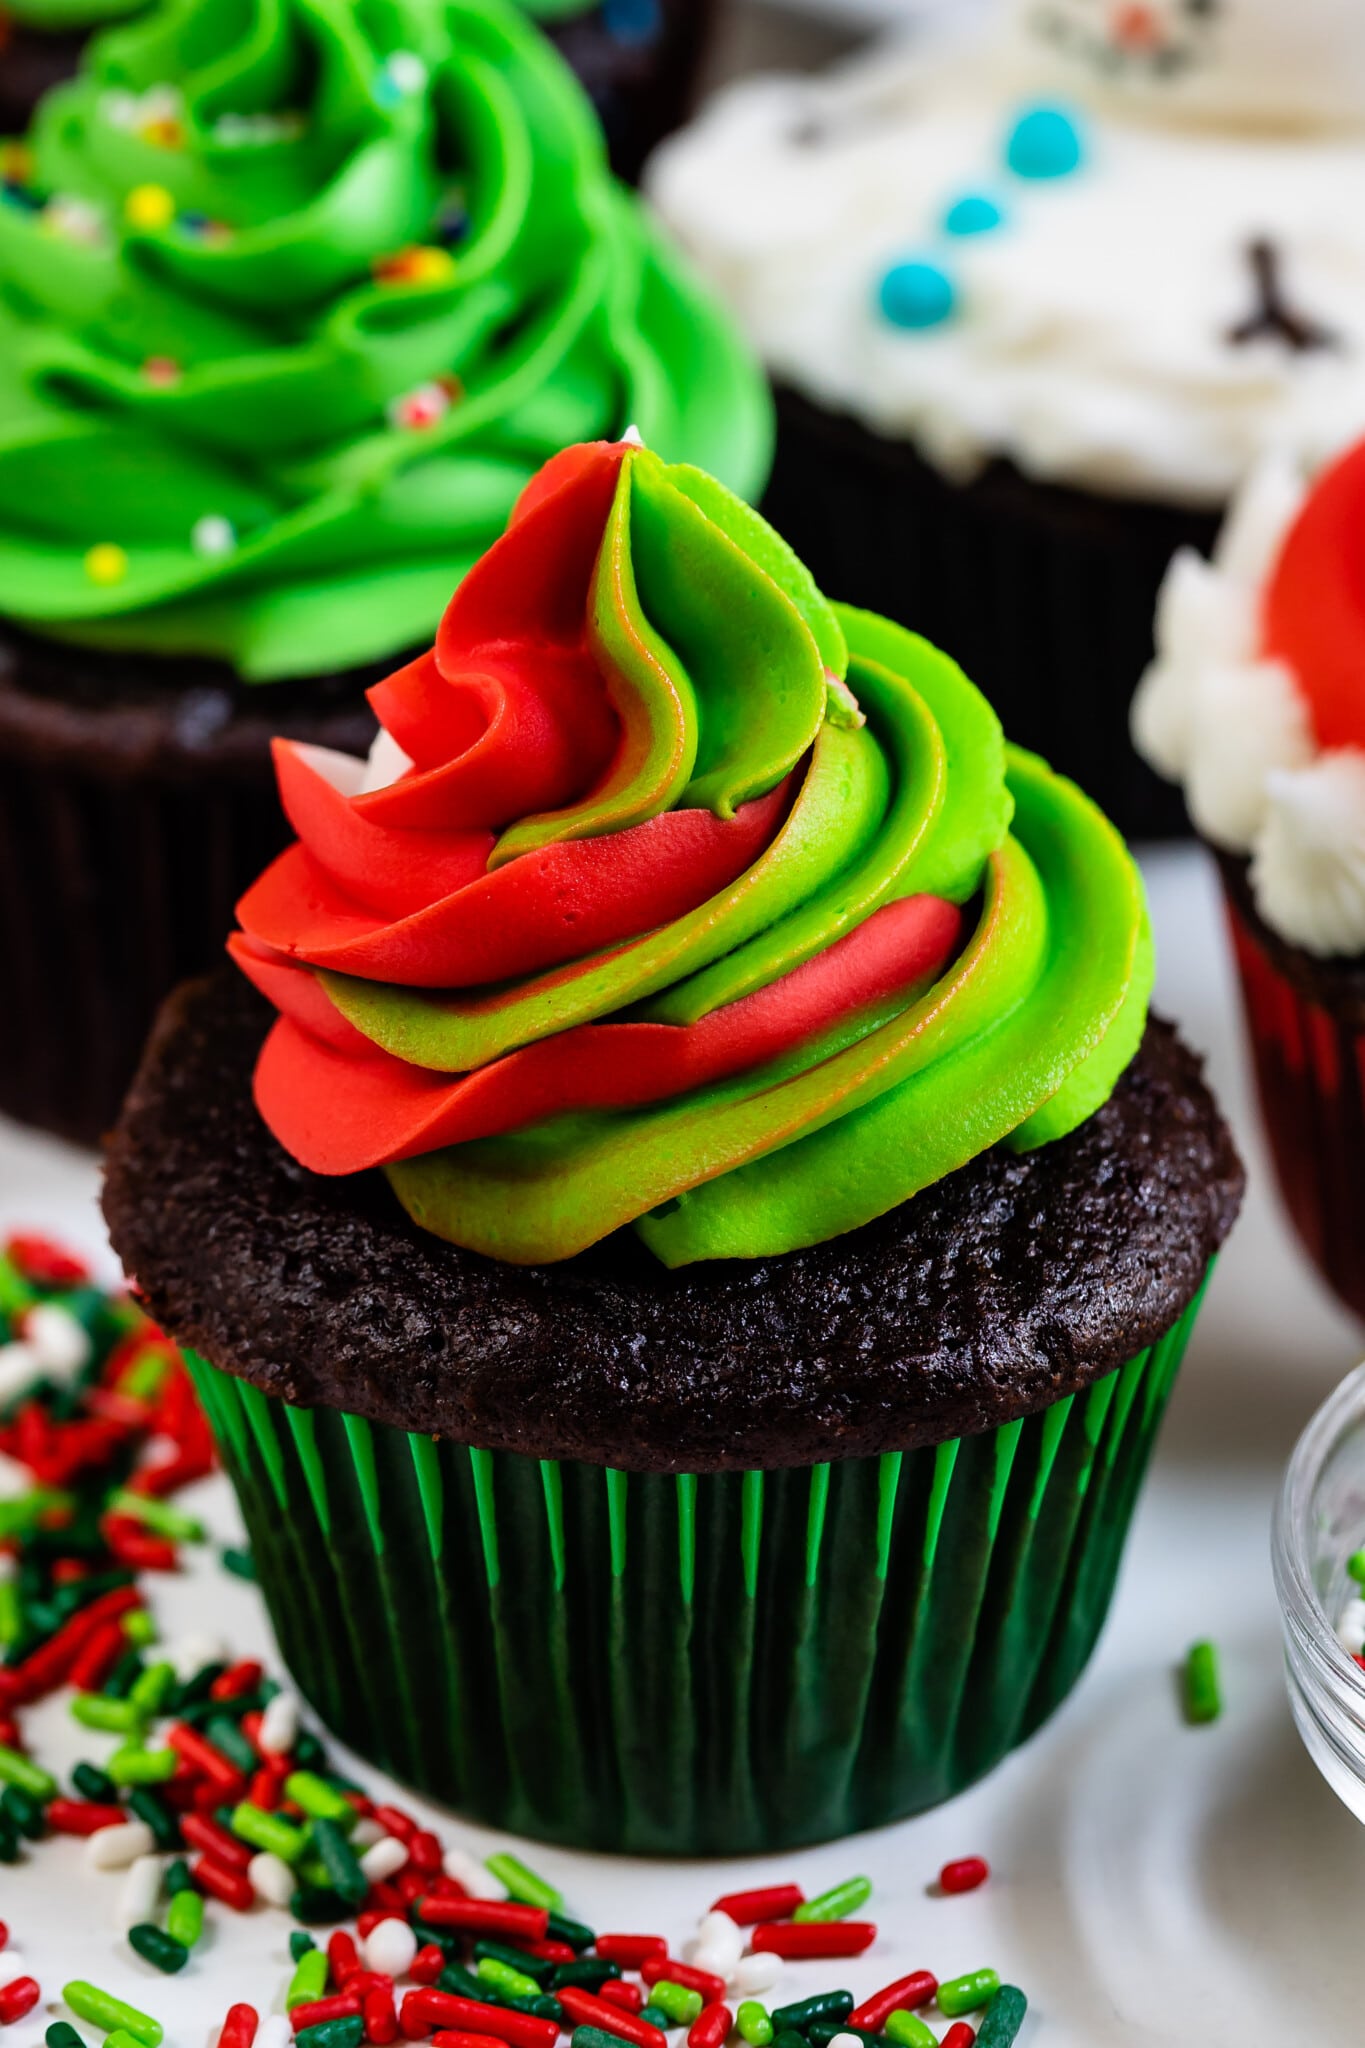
(675, 896)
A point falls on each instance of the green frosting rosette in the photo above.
(295, 297)
(675, 896)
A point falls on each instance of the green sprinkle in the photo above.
(11, 1614)
(17, 1769)
(224, 1734)
(572, 1932)
(23, 1812)
(590, 1972)
(318, 1799)
(150, 1688)
(94, 1784)
(1003, 2018)
(240, 1563)
(594, 2037)
(908, 2030)
(1355, 1565)
(15, 1293)
(825, 2005)
(456, 1979)
(141, 1380)
(185, 1920)
(539, 1967)
(162, 1951)
(138, 1627)
(966, 1994)
(134, 1765)
(300, 1944)
(309, 1980)
(196, 1686)
(342, 2033)
(789, 2039)
(21, 1515)
(88, 2002)
(681, 2004)
(1203, 1698)
(157, 1515)
(838, 1903)
(344, 1873)
(149, 1806)
(113, 1716)
(9, 1841)
(61, 2034)
(121, 2038)
(124, 1676)
(268, 1831)
(522, 1883)
(754, 2023)
(515, 1983)
(655, 2016)
(319, 1905)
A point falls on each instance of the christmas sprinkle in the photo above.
(1203, 1698)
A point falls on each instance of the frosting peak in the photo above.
(295, 297)
(675, 896)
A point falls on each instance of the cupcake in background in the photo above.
(1255, 705)
(41, 42)
(294, 300)
(718, 1226)
(1034, 302)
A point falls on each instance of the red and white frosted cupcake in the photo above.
(1256, 705)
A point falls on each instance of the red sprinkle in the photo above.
(4, 1935)
(133, 1544)
(907, 1994)
(395, 1822)
(424, 1853)
(18, 1998)
(239, 1678)
(797, 1938)
(517, 2029)
(203, 1833)
(964, 1875)
(452, 2037)
(342, 1958)
(82, 1817)
(549, 1951)
(485, 1916)
(239, 2028)
(428, 1963)
(97, 1657)
(44, 1261)
(200, 1754)
(712, 1988)
(631, 1950)
(315, 2011)
(616, 1991)
(233, 1887)
(380, 2015)
(47, 1668)
(711, 2027)
(774, 1902)
(10, 1732)
(587, 2010)
(959, 2035)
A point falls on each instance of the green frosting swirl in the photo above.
(55, 15)
(222, 369)
(908, 790)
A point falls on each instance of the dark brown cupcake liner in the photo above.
(1045, 595)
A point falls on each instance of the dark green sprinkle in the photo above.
(299, 1944)
(151, 1807)
(195, 1687)
(344, 1873)
(462, 1984)
(655, 2016)
(93, 1783)
(561, 1928)
(826, 2005)
(161, 1950)
(592, 1973)
(543, 2008)
(542, 1968)
(242, 1566)
(821, 2032)
(225, 1735)
(124, 1676)
(61, 2034)
(308, 1751)
(319, 1906)
(9, 1840)
(594, 2037)
(178, 1877)
(344, 2033)
(23, 1812)
(788, 2038)
(1002, 2019)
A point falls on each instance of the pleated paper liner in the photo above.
(1046, 595)
(1310, 1078)
(691, 1665)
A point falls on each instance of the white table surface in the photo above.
(1153, 1884)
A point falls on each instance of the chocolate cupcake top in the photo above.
(294, 299)
(673, 896)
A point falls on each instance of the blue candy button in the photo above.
(1045, 142)
(973, 214)
(917, 295)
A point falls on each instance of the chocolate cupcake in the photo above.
(279, 345)
(1254, 706)
(1034, 304)
(689, 1320)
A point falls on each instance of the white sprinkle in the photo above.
(213, 535)
(1351, 1628)
(62, 1344)
(390, 1947)
(382, 1858)
(719, 1939)
(279, 1729)
(757, 1973)
(20, 1365)
(139, 1892)
(274, 2031)
(468, 1871)
(271, 1879)
(846, 2041)
(407, 71)
(366, 1833)
(633, 437)
(116, 1847)
(188, 1654)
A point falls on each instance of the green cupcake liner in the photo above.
(694, 1665)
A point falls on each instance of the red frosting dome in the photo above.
(1314, 617)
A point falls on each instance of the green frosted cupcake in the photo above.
(689, 1315)
(294, 301)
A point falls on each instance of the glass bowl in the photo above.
(1319, 1523)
